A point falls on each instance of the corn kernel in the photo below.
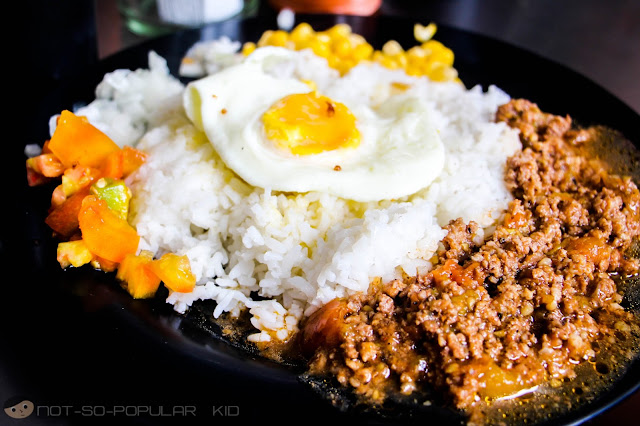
(304, 44)
(415, 63)
(452, 75)
(447, 56)
(341, 46)
(264, 38)
(349, 63)
(357, 39)
(428, 64)
(401, 60)
(398, 87)
(416, 52)
(319, 48)
(278, 38)
(334, 61)
(362, 51)
(433, 45)
(413, 70)
(441, 72)
(392, 47)
(248, 48)
(339, 30)
(344, 49)
(377, 56)
(422, 33)
(347, 67)
(388, 62)
(302, 32)
(323, 38)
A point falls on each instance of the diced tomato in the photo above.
(325, 326)
(73, 253)
(45, 147)
(106, 235)
(517, 220)
(57, 197)
(34, 178)
(73, 179)
(595, 249)
(46, 164)
(453, 271)
(77, 177)
(120, 164)
(103, 264)
(63, 219)
(136, 275)
(76, 141)
(132, 159)
(175, 272)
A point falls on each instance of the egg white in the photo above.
(400, 151)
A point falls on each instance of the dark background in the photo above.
(597, 38)
(111, 362)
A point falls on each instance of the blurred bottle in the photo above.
(158, 17)
(338, 7)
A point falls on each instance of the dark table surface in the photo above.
(599, 39)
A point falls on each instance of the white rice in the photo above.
(284, 256)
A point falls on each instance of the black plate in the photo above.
(80, 348)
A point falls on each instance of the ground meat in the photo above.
(501, 314)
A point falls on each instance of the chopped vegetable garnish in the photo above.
(115, 193)
(47, 165)
(76, 141)
(77, 177)
(63, 219)
(136, 275)
(120, 164)
(90, 208)
(73, 253)
(175, 272)
(105, 233)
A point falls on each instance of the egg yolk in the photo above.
(308, 123)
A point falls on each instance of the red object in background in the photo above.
(338, 7)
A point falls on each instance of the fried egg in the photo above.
(282, 134)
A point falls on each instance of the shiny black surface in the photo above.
(73, 341)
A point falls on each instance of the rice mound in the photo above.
(282, 256)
